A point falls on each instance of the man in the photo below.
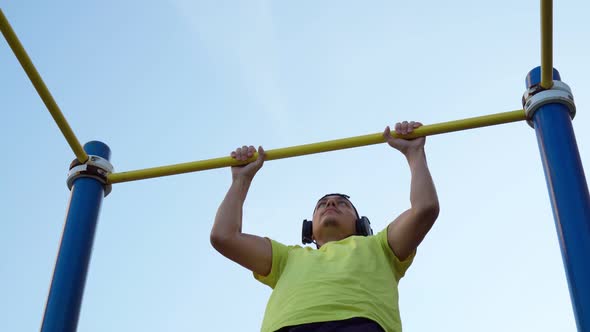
(349, 283)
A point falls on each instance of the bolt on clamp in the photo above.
(537, 96)
(95, 167)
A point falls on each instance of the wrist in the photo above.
(241, 180)
(415, 154)
(239, 187)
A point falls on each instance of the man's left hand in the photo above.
(405, 146)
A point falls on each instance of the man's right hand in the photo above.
(249, 170)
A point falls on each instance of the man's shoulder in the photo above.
(280, 246)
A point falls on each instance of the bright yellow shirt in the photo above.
(354, 277)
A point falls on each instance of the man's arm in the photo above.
(408, 230)
(251, 251)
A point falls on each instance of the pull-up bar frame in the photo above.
(546, 43)
(561, 161)
(300, 150)
(42, 90)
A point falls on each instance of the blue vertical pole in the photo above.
(569, 196)
(69, 277)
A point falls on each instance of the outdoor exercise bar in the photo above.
(62, 309)
(300, 150)
(565, 177)
(568, 193)
(27, 64)
(546, 43)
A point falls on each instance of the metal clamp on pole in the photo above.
(95, 167)
(536, 96)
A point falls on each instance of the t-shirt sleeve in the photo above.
(280, 253)
(399, 267)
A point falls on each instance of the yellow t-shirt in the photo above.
(353, 277)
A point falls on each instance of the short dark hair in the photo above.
(340, 195)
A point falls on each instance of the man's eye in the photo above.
(342, 203)
(322, 204)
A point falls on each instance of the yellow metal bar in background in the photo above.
(345, 143)
(546, 43)
(39, 85)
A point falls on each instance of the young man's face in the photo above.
(334, 215)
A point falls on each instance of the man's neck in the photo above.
(331, 237)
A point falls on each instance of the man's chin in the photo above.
(330, 222)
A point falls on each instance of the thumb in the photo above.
(261, 157)
(387, 133)
(388, 137)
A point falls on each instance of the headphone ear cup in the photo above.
(363, 226)
(306, 232)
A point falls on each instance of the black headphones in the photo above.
(362, 224)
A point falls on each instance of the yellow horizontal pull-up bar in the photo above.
(345, 143)
(42, 90)
(546, 44)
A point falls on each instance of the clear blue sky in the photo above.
(164, 82)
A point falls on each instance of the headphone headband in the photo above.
(340, 195)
